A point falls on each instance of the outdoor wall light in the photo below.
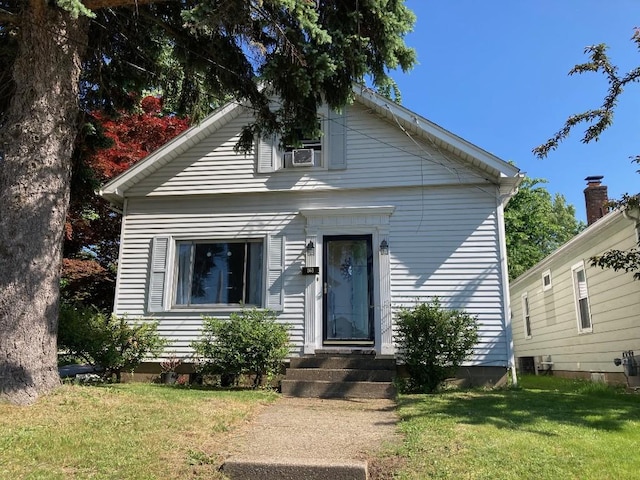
(384, 247)
(309, 268)
(310, 248)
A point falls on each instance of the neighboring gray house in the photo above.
(572, 319)
(388, 206)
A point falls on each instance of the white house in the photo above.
(386, 208)
(572, 319)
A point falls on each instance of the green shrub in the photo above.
(107, 341)
(249, 342)
(433, 342)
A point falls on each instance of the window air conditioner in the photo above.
(302, 158)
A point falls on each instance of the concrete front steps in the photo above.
(295, 469)
(340, 374)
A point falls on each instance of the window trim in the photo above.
(269, 158)
(526, 315)
(545, 274)
(576, 299)
(321, 152)
(173, 284)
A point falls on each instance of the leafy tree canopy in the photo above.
(536, 223)
(599, 119)
(107, 146)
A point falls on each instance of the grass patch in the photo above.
(548, 428)
(124, 431)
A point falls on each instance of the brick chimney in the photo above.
(595, 196)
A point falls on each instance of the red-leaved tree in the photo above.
(109, 146)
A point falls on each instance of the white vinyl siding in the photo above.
(379, 155)
(203, 219)
(443, 242)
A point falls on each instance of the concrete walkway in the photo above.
(313, 439)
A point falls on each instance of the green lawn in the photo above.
(126, 431)
(546, 429)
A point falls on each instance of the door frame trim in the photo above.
(374, 221)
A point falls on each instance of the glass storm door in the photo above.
(348, 290)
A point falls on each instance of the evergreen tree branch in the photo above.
(99, 4)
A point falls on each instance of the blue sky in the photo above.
(494, 72)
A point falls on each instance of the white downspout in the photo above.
(501, 202)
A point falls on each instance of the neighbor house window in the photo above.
(546, 281)
(526, 316)
(219, 272)
(581, 296)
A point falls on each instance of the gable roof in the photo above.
(498, 171)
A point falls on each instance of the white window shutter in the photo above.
(337, 140)
(268, 155)
(275, 273)
(158, 274)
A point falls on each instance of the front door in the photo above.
(348, 290)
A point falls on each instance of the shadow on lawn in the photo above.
(525, 409)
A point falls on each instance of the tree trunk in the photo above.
(37, 139)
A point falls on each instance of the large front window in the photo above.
(219, 272)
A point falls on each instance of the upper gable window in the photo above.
(308, 153)
(327, 151)
(546, 281)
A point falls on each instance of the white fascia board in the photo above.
(114, 189)
(509, 187)
(433, 130)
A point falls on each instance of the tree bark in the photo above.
(37, 140)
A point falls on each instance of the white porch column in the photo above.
(386, 314)
(310, 292)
